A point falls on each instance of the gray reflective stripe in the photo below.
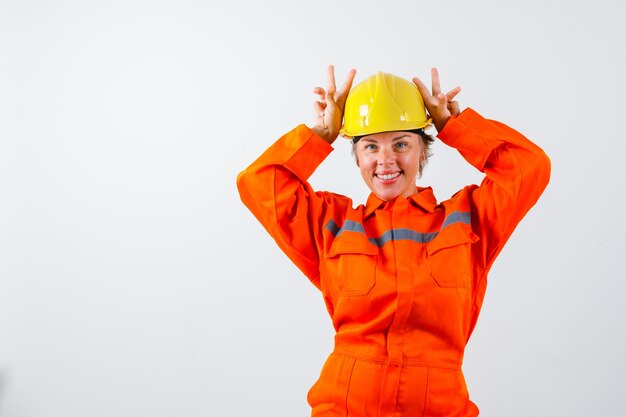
(403, 234)
(332, 227)
(457, 217)
(349, 225)
(398, 234)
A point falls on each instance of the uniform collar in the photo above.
(424, 198)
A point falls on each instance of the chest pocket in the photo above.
(352, 260)
(450, 257)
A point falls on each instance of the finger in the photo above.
(319, 91)
(421, 87)
(346, 86)
(319, 110)
(319, 106)
(452, 93)
(442, 100)
(436, 86)
(455, 108)
(330, 79)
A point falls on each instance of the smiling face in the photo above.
(389, 163)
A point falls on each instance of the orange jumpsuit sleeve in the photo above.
(516, 173)
(275, 189)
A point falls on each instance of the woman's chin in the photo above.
(386, 195)
(391, 193)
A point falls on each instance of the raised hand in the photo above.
(330, 105)
(440, 106)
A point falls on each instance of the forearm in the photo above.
(275, 189)
(503, 154)
(516, 173)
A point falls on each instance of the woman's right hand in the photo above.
(330, 105)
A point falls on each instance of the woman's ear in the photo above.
(353, 152)
(420, 166)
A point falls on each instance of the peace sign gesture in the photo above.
(440, 106)
(330, 105)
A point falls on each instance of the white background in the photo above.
(133, 282)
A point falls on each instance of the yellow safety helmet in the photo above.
(383, 103)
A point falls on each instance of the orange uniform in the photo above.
(403, 280)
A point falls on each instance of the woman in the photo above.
(403, 276)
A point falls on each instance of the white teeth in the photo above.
(388, 176)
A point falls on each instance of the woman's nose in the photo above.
(385, 156)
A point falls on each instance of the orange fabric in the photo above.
(403, 281)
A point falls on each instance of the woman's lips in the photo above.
(388, 177)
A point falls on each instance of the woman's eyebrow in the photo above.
(375, 141)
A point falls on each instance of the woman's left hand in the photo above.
(440, 106)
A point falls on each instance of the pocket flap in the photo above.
(451, 236)
(352, 242)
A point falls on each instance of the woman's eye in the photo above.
(370, 147)
(401, 145)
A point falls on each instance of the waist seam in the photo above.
(386, 361)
